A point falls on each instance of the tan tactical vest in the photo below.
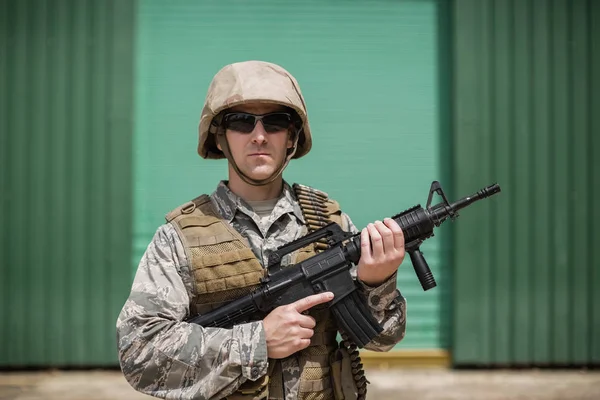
(225, 268)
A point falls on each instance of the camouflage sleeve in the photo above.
(386, 303)
(162, 356)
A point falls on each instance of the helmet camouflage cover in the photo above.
(250, 82)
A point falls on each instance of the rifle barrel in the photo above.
(439, 214)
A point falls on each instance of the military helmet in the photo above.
(246, 82)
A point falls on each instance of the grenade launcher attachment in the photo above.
(330, 271)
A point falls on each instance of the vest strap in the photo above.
(256, 387)
(316, 360)
(188, 208)
(313, 385)
(214, 239)
(211, 260)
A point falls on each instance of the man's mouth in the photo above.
(259, 154)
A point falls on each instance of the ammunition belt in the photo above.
(314, 206)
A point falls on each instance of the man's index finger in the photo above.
(311, 301)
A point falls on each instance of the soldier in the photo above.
(214, 249)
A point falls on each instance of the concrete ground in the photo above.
(385, 385)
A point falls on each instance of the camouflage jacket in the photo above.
(163, 356)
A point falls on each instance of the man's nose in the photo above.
(259, 135)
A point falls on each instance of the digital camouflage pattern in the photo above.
(164, 357)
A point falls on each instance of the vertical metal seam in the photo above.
(444, 37)
(493, 207)
(110, 48)
(531, 168)
(44, 181)
(11, 126)
(511, 172)
(590, 193)
(28, 128)
(551, 133)
(570, 185)
(69, 19)
(480, 93)
(5, 162)
(88, 166)
(107, 48)
(95, 156)
(63, 15)
(51, 165)
(486, 82)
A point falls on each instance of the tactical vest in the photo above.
(224, 268)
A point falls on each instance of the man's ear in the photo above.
(218, 143)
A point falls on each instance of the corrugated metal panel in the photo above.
(369, 71)
(66, 124)
(527, 116)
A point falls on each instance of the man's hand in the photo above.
(287, 330)
(382, 251)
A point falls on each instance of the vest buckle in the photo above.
(188, 207)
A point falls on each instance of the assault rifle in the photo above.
(330, 271)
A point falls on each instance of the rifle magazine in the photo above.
(356, 319)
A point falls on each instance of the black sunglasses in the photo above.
(245, 122)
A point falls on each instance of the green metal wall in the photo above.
(527, 115)
(369, 71)
(65, 176)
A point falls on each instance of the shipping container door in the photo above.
(527, 94)
(369, 71)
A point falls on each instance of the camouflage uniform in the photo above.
(164, 357)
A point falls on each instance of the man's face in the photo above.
(260, 152)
